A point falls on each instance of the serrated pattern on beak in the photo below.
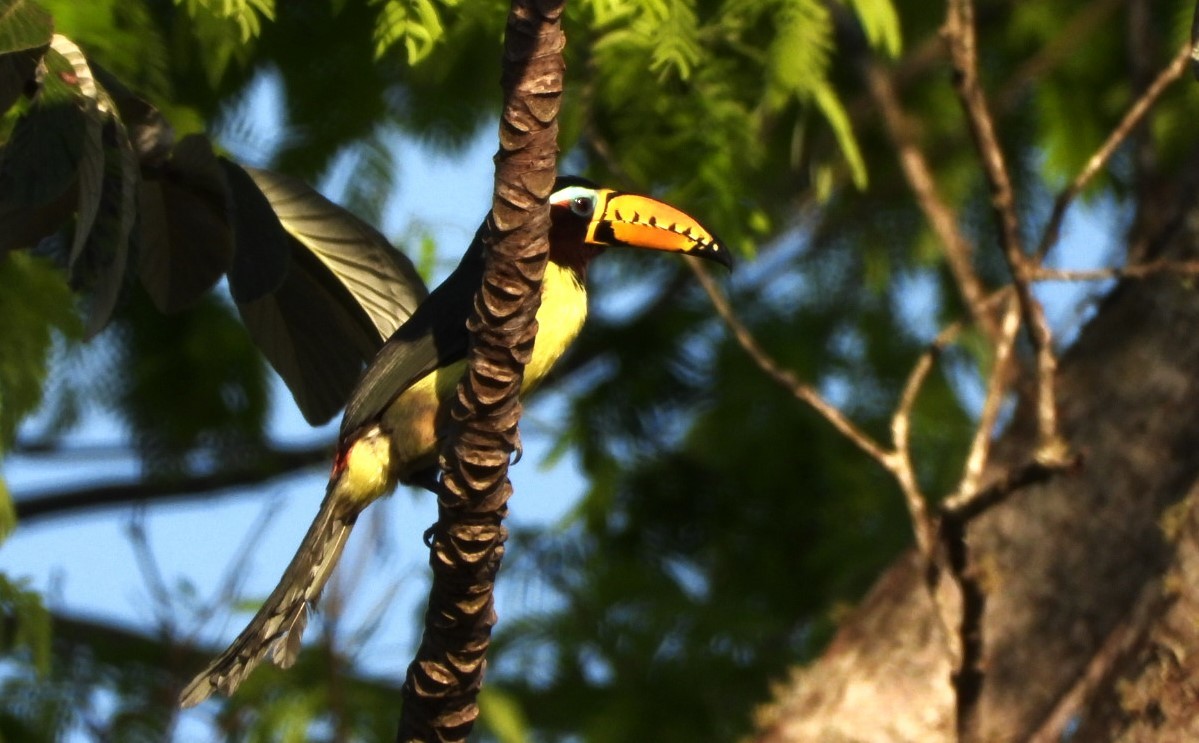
(643, 222)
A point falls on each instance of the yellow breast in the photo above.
(559, 319)
(413, 422)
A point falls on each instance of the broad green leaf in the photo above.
(23, 25)
(90, 167)
(105, 254)
(41, 158)
(17, 76)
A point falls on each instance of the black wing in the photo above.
(318, 288)
(435, 336)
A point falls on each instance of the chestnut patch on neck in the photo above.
(567, 247)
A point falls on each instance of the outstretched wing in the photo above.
(382, 279)
(318, 288)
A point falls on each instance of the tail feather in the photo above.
(277, 627)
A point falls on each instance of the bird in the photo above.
(395, 417)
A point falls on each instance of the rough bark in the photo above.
(468, 541)
(1074, 628)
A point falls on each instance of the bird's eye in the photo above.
(582, 206)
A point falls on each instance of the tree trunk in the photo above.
(1090, 580)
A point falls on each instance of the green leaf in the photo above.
(23, 25)
(224, 30)
(42, 156)
(240, 14)
(502, 715)
(676, 30)
(106, 252)
(800, 54)
(414, 23)
(107, 176)
(34, 303)
(881, 24)
(18, 73)
(665, 30)
(837, 117)
(8, 511)
(90, 166)
(26, 624)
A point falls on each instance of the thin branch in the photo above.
(1137, 271)
(271, 464)
(980, 447)
(900, 460)
(147, 564)
(958, 250)
(227, 589)
(965, 507)
(959, 33)
(1136, 113)
(783, 377)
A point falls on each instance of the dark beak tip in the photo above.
(718, 253)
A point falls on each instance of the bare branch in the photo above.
(270, 464)
(783, 377)
(959, 33)
(1137, 271)
(958, 250)
(900, 460)
(980, 447)
(1136, 113)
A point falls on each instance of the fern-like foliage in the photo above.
(246, 15)
(416, 24)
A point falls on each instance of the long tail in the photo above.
(278, 625)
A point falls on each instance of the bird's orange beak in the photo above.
(631, 220)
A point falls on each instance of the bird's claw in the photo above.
(518, 450)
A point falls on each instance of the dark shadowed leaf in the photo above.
(23, 25)
(149, 132)
(102, 266)
(78, 79)
(18, 72)
(40, 160)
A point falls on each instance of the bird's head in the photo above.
(587, 219)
